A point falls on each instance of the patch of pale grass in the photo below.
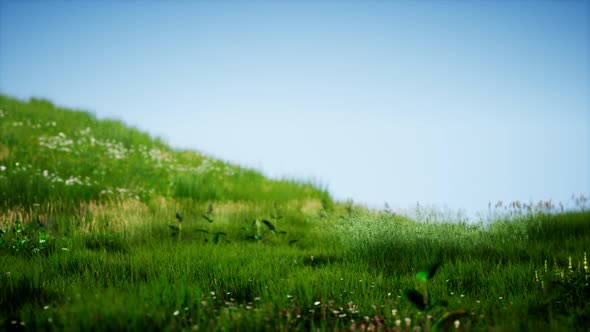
(120, 215)
(116, 215)
(4, 151)
(311, 206)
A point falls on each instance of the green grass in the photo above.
(102, 249)
(52, 154)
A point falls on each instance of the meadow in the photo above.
(103, 227)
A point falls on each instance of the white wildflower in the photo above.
(73, 180)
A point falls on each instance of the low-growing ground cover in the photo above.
(104, 228)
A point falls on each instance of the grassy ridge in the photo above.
(55, 154)
(246, 252)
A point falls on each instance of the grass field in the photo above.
(104, 228)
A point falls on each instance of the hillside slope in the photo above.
(104, 228)
(49, 153)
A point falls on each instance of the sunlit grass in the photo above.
(105, 228)
(51, 154)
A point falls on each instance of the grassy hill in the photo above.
(55, 154)
(104, 228)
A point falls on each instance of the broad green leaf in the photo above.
(429, 273)
(415, 297)
(270, 226)
(422, 275)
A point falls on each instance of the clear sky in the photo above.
(446, 103)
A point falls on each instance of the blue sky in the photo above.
(445, 103)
